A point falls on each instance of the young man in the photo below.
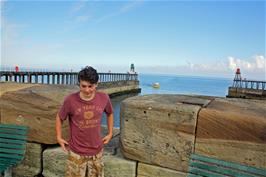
(84, 111)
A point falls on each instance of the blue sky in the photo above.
(199, 38)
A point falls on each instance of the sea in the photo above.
(171, 84)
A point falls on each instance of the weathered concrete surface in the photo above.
(31, 164)
(233, 130)
(160, 129)
(36, 105)
(12, 86)
(118, 166)
(54, 162)
(145, 170)
(114, 165)
(118, 88)
(246, 93)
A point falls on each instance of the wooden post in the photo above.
(36, 78)
(29, 78)
(48, 79)
(53, 79)
(58, 79)
(63, 79)
(42, 79)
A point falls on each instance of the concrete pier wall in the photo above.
(157, 134)
(234, 92)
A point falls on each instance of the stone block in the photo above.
(35, 107)
(118, 166)
(54, 162)
(31, 164)
(233, 130)
(145, 170)
(160, 129)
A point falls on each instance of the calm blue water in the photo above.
(175, 85)
(185, 85)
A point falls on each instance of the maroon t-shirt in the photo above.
(85, 121)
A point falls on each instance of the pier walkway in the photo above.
(68, 78)
(243, 88)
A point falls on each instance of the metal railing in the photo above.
(60, 77)
(249, 84)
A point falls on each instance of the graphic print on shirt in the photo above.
(90, 116)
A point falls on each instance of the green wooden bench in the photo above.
(205, 166)
(13, 140)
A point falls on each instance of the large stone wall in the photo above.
(234, 92)
(163, 130)
(158, 132)
(160, 129)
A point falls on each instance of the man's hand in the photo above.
(62, 143)
(107, 138)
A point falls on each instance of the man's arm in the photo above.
(58, 127)
(110, 124)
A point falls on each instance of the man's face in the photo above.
(87, 89)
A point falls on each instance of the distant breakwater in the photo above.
(68, 78)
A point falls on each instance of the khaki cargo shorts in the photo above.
(84, 166)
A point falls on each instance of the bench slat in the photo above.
(245, 168)
(12, 151)
(219, 169)
(18, 157)
(3, 167)
(8, 160)
(204, 172)
(13, 131)
(13, 140)
(11, 126)
(7, 163)
(4, 140)
(12, 136)
(12, 146)
(192, 175)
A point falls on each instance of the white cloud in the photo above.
(258, 63)
(219, 66)
(252, 69)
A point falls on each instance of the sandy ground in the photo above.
(12, 86)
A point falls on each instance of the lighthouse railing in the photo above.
(249, 84)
